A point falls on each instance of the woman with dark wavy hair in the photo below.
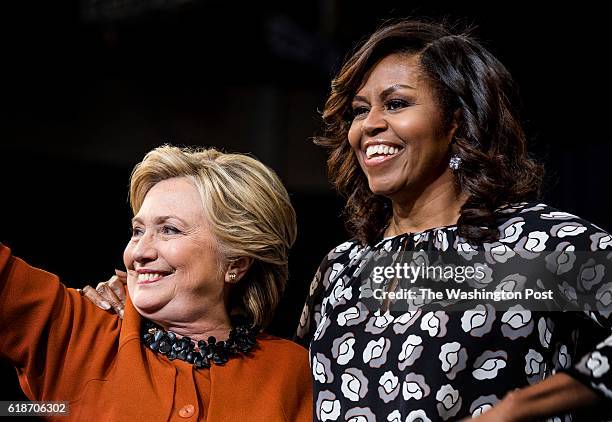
(426, 144)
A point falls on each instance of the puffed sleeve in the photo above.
(49, 331)
(588, 285)
(314, 306)
(311, 313)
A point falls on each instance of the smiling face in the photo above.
(172, 260)
(397, 130)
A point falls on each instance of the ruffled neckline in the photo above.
(502, 212)
(420, 234)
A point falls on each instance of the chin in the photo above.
(387, 182)
(146, 302)
(385, 189)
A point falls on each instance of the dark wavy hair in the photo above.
(468, 82)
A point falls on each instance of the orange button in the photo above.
(187, 411)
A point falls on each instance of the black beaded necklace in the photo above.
(242, 339)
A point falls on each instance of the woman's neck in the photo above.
(437, 206)
(219, 327)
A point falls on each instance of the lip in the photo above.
(163, 274)
(381, 159)
(378, 141)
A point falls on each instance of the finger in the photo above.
(107, 293)
(91, 294)
(122, 276)
(118, 288)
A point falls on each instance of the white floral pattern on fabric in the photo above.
(436, 365)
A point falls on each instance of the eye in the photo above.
(170, 230)
(359, 111)
(136, 231)
(396, 104)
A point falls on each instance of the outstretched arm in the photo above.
(555, 395)
(48, 331)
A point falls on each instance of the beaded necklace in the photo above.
(242, 339)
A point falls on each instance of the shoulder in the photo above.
(281, 355)
(541, 222)
(344, 250)
(343, 254)
(281, 348)
(337, 260)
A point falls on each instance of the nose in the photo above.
(145, 250)
(375, 121)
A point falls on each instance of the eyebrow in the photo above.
(394, 88)
(386, 92)
(159, 219)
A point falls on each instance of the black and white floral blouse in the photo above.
(421, 365)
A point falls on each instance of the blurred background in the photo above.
(90, 86)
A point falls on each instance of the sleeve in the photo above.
(311, 313)
(49, 331)
(589, 286)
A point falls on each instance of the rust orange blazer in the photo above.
(65, 348)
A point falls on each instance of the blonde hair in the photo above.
(248, 210)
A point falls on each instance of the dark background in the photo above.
(90, 86)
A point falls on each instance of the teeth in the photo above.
(381, 150)
(149, 276)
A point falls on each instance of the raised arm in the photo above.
(48, 330)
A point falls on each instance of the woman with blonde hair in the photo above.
(206, 265)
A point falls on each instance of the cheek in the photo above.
(128, 262)
(421, 137)
(176, 254)
(127, 256)
(354, 136)
(434, 146)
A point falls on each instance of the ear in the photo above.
(237, 269)
(454, 124)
